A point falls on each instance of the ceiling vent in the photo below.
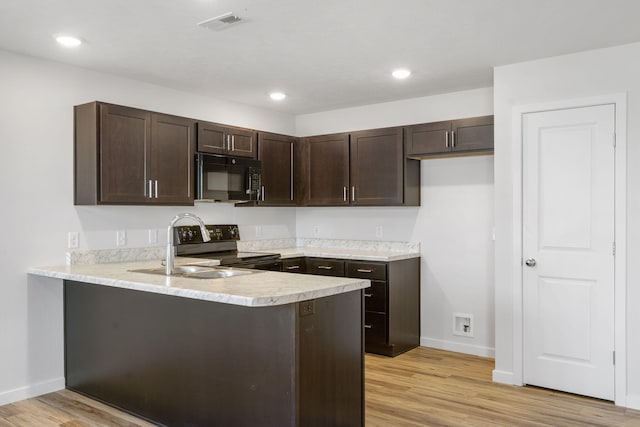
(221, 22)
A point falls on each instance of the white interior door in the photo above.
(568, 249)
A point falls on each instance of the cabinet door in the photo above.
(277, 155)
(428, 138)
(327, 170)
(171, 159)
(124, 149)
(377, 159)
(474, 134)
(212, 138)
(242, 142)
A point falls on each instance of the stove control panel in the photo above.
(186, 234)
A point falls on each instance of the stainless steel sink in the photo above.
(199, 272)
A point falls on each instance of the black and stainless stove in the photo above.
(222, 246)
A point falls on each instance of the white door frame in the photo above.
(620, 269)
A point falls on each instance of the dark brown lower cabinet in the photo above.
(392, 303)
(185, 362)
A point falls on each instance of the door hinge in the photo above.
(614, 140)
(614, 357)
(614, 248)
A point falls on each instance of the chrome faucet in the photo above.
(170, 241)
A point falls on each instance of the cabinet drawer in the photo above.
(294, 265)
(375, 327)
(375, 297)
(367, 270)
(325, 267)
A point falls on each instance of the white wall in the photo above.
(594, 73)
(453, 224)
(36, 188)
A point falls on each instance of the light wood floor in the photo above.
(424, 387)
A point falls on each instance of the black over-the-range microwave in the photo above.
(227, 179)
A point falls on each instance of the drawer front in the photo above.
(294, 265)
(325, 267)
(375, 327)
(375, 297)
(367, 270)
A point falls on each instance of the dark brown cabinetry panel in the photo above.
(365, 168)
(232, 365)
(326, 170)
(277, 154)
(392, 303)
(125, 155)
(171, 159)
(377, 159)
(124, 145)
(450, 138)
(219, 139)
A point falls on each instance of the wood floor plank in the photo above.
(423, 387)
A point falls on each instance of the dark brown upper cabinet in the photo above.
(450, 138)
(325, 170)
(125, 155)
(367, 168)
(377, 160)
(220, 139)
(277, 154)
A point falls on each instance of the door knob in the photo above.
(530, 262)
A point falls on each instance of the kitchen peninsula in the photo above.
(268, 348)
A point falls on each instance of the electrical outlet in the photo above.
(258, 231)
(121, 238)
(316, 230)
(307, 308)
(153, 235)
(73, 240)
(379, 232)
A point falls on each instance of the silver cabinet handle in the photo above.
(531, 262)
(368, 295)
(150, 194)
(292, 267)
(453, 139)
(233, 142)
(364, 270)
(262, 193)
(156, 188)
(325, 267)
(228, 143)
(368, 326)
(446, 139)
(344, 194)
(353, 193)
(291, 177)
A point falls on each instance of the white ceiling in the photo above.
(323, 53)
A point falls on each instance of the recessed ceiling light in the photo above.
(401, 73)
(277, 96)
(68, 41)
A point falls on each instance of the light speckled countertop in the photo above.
(264, 288)
(343, 253)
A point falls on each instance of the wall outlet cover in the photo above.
(73, 240)
(121, 238)
(153, 236)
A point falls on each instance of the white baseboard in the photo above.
(30, 391)
(633, 401)
(475, 350)
(503, 377)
